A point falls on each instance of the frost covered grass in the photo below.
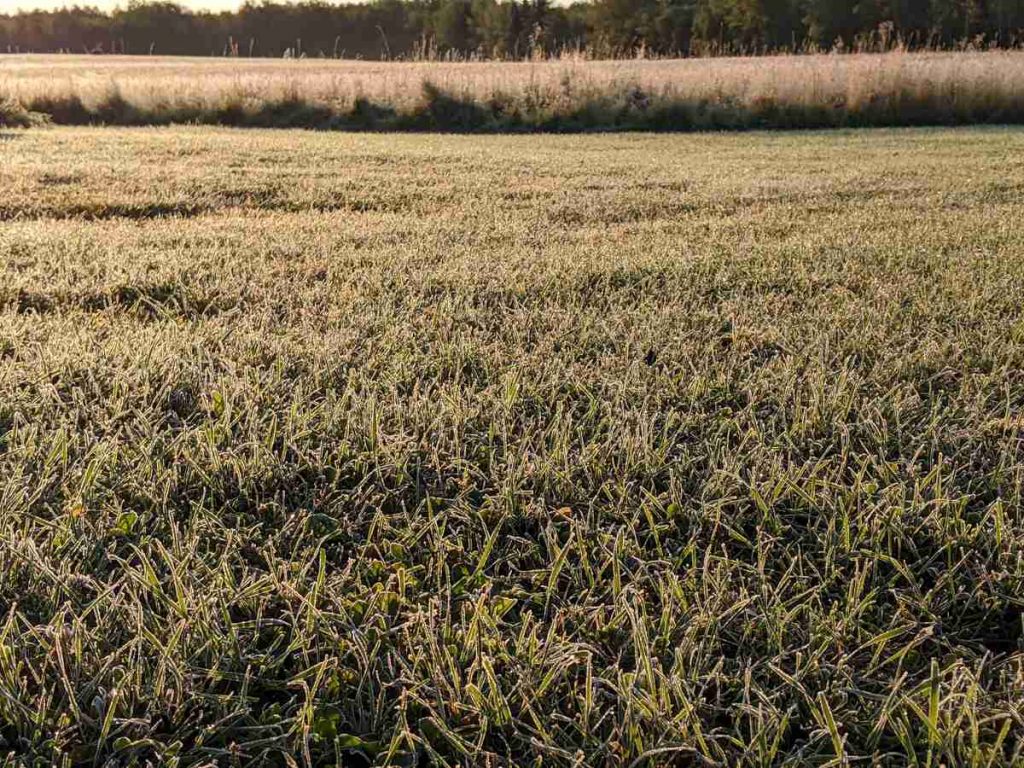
(593, 450)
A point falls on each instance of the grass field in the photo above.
(566, 94)
(618, 450)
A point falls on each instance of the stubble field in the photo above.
(594, 450)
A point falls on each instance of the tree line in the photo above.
(515, 29)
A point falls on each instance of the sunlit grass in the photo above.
(557, 95)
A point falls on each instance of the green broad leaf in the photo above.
(126, 524)
(355, 743)
(218, 404)
(325, 724)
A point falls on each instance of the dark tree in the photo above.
(512, 28)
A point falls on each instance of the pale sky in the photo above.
(10, 6)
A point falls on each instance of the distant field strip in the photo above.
(620, 450)
(895, 89)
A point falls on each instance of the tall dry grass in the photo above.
(895, 88)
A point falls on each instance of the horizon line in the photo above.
(197, 6)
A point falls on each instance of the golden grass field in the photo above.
(562, 94)
(613, 450)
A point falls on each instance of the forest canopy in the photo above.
(516, 29)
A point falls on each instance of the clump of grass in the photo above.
(14, 115)
(817, 91)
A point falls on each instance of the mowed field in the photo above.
(578, 451)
